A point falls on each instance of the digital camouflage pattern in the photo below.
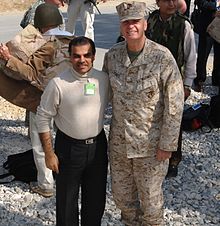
(168, 33)
(148, 175)
(131, 10)
(147, 99)
(147, 102)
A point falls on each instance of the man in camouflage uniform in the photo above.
(171, 29)
(147, 102)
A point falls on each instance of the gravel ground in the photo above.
(192, 198)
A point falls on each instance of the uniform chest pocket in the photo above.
(148, 85)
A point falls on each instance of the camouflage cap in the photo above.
(131, 10)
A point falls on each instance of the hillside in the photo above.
(17, 5)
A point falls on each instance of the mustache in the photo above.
(82, 63)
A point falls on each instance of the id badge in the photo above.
(89, 89)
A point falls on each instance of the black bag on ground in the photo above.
(21, 166)
(214, 115)
(197, 117)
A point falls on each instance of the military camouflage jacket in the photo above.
(147, 99)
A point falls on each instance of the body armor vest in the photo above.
(168, 33)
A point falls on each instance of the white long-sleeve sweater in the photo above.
(76, 113)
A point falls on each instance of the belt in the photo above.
(90, 140)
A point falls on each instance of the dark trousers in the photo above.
(81, 165)
(204, 48)
(176, 156)
(188, 2)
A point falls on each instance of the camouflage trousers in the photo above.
(137, 187)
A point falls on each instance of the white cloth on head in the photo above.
(57, 31)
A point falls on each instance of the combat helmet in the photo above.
(47, 15)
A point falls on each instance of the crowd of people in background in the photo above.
(146, 77)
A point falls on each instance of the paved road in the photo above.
(106, 29)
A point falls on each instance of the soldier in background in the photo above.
(86, 10)
(28, 17)
(147, 103)
(36, 71)
(173, 30)
(209, 10)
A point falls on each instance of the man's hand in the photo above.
(4, 52)
(187, 92)
(52, 161)
(162, 155)
(217, 13)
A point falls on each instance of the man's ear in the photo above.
(145, 25)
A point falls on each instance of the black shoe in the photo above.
(172, 171)
(215, 82)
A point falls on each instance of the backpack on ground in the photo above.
(197, 117)
(21, 166)
(214, 115)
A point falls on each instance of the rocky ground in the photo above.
(192, 198)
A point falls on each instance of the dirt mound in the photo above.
(21, 5)
(15, 5)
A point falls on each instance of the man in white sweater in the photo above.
(76, 100)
